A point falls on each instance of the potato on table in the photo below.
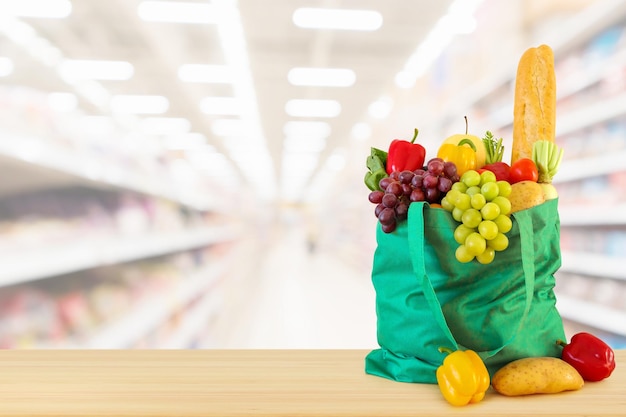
(541, 375)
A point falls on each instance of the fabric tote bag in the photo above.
(426, 299)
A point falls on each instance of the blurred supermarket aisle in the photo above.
(303, 299)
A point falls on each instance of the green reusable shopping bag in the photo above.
(426, 299)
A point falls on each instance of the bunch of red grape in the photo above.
(402, 188)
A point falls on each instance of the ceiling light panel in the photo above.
(138, 104)
(307, 145)
(199, 73)
(342, 19)
(222, 106)
(188, 141)
(458, 20)
(208, 160)
(380, 108)
(80, 69)
(312, 108)
(336, 162)
(230, 127)
(305, 136)
(178, 12)
(322, 77)
(47, 9)
(164, 126)
(361, 131)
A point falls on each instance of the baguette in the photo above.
(534, 112)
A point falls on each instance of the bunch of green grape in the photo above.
(481, 205)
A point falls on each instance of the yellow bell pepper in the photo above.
(463, 377)
(462, 154)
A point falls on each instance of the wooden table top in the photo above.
(253, 382)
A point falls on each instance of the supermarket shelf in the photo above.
(576, 82)
(576, 31)
(95, 171)
(77, 255)
(602, 215)
(593, 264)
(591, 114)
(195, 321)
(149, 314)
(592, 314)
(577, 169)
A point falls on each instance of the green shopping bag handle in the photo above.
(416, 247)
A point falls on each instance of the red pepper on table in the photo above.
(593, 359)
(405, 155)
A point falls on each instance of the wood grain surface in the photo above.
(253, 382)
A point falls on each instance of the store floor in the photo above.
(303, 299)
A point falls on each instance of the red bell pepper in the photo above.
(405, 155)
(593, 359)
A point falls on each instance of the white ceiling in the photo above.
(112, 30)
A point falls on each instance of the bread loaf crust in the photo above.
(534, 112)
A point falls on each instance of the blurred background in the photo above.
(189, 174)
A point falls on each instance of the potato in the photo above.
(525, 194)
(541, 375)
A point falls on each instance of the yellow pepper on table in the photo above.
(462, 154)
(463, 377)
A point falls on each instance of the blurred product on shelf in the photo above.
(53, 216)
(74, 309)
(28, 316)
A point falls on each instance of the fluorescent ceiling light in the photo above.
(336, 162)
(361, 131)
(208, 159)
(405, 79)
(319, 18)
(230, 127)
(322, 77)
(186, 141)
(24, 35)
(164, 126)
(138, 104)
(6, 66)
(305, 136)
(297, 128)
(313, 108)
(198, 73)
(460, 24)
(82, 69)
(93, 92)
(459, 20)
(48, 9)
(224, 106)
(246, 145)
(63, 102)
(178, 12)
(381, 108)
(258, 168)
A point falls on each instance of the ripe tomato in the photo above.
(523, 170)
